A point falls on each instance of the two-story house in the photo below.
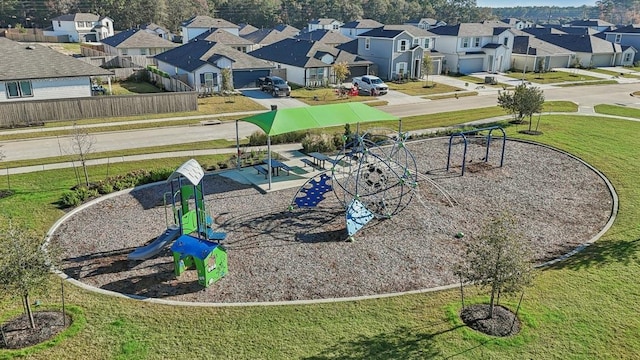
(398, 50)
(324, 24)
(626, 36)
(157, 30)
(517, 23)
(81, 27)
(201, 23)
(354, 28)
(474, 47)
(227, 38)
(329, 37)
(425, 23)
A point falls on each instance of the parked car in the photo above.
(371, 85)
(276, 86)
(98, 89)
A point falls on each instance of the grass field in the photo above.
(617, 110)
(417, 88)
(551, 77)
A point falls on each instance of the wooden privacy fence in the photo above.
(169, 84)
(29, 113)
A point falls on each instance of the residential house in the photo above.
(532, 54)
(81, 27)
(35, 72)
(425, 23)
(357, 27)
(199, 64)
(329, 37)
(287, 29)
(136, 42)
(398, 50)
(594, 24)
(227, 38)
(309, 63)
(265, 37)
(474, 47)
(591, 51)
(625, 36)
(158, 30)
(201, 23)
(517, 23)
(324, 24)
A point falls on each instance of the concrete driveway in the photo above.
(267, 100)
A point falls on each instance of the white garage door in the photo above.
(468, 66)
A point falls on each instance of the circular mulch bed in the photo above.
(502, 323)
(18, 333)
(277, 255)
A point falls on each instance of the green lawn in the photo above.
(417, 88)
(551, 77)
(614, 74)
(132, 87)
(324, 96)
(617, 110)
(583, 308)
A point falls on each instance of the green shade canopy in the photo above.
(277, 122)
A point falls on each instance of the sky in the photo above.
(512, 3)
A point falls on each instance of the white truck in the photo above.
(371, 85)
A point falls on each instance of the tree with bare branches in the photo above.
(82, 145)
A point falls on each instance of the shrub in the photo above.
(319, 143)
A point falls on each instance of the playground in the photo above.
(279, 255)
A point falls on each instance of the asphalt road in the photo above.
(585, 96)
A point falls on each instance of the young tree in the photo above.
(227, 84)
(523, 101)
(427, 67)
(24, 265)
(82, 144)
(498, 258)
(341, 71)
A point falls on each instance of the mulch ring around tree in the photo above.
(502, 323)
(18, 334)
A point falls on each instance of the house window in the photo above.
(335, 27)
(465, 42)
(209, 79)
(59, 23)
(17, 89)
(316, 74)
(403, 45)
(426, 43)
(143, 51)
(367, 43)
(401, 69)
(505, 41)
(416, 41)
(476, 42)
(79, 24)
(618, 38)
(627, 57)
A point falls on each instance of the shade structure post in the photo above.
(237, 146)
(269, 159)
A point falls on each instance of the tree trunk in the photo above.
(461, 292)
(517, 309)
(491, 301)
(32, 322)
(86, 174)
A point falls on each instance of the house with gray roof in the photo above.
(227, 38)
(245, 29)
(158, 30)
(324, 24)
(474, 47)
(287, 29)
(36, 72)
(517, 23)
(625, 36)
(136, 42)
(594, 24)
(329, 37)
(399, 50)
(81, 27)
(532, 54)
(356, 27)
(265, 37)
(199, 64)
(425, 23)
(309, 63)
(591, 51)
(201, 23)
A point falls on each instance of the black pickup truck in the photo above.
(274, 85)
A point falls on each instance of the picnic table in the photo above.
(319, 159)
(276, 166)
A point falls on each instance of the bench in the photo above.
(285, 167)
(309, 162)
(261, 170)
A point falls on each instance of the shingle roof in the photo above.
(351, 46)
(412, 30)
(430, 21)
(322, 21)
(581, 43)
(137, 38)
(203, 21)
(304, 53)
(246, 29)
(324, 36)
(195, 54)
(266, 36)
(362, 24)
(382, 33)
(629, 29)
(77, 17)
(287, 30)
(223, 36)
(21, 61)
(154, 27)
(590, 22)
(470, 29)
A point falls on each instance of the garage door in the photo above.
(247, 78)
(468, 66)
(601, 60)
(357, 71)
